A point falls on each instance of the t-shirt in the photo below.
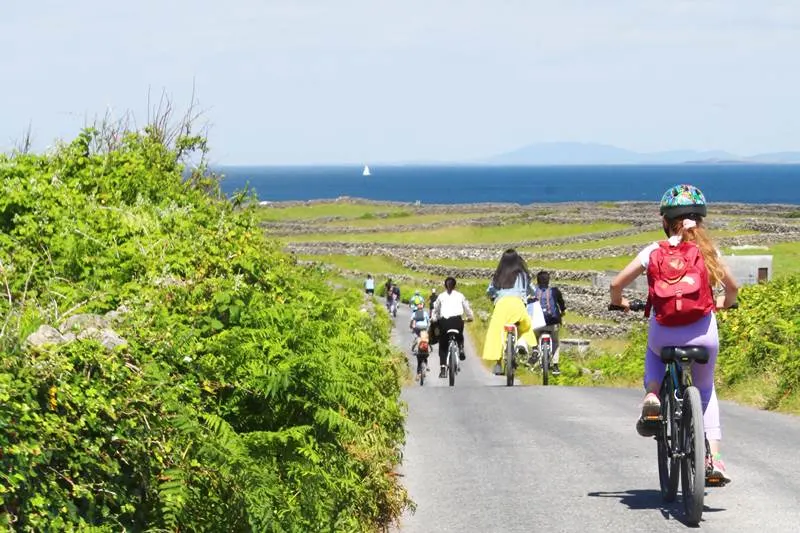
(450, 304)
(644, 255)
(369, 284)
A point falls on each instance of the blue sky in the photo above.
(313, 81)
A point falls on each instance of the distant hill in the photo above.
(571, 153)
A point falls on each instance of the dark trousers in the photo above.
(453, 322)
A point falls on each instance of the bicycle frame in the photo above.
(680, 379)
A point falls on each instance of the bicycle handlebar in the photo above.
(635, 305)
(639, 305)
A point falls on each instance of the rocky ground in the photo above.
(585, 290)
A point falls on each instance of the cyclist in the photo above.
(683, 209)
(369, 285)
(448, 311)
(553, 307)
(509, 289)
(392, 294)
(420, 320)
(415, 300)
(432, 300)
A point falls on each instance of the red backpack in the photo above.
(678, 286)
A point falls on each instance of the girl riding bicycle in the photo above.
(509, 289)
(683, 208)
(448, 312)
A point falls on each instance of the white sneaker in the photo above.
(522, 346)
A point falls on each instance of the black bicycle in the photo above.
(509, 353)
(452, 366)
(682, 445)
(422, 367)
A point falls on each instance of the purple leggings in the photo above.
(701, 333)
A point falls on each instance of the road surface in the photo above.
(484, 457)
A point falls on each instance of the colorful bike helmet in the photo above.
(682, 200)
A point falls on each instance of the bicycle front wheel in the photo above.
(510, 360)
(693, 468)
(452, 361)
(668, 466)
(545, 353)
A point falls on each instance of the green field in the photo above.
(467, 234)
(405, 218)
(312, 211)
(374, 264)
(785, 257)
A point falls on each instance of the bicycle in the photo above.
(422, 366)
(452, 367)
(509, 353)
(391, 306)
(682, 446)
(545, 355)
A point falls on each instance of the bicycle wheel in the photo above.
(693, 468)
(668, 466)
(452, 361)
(545, 354)
(423, 368)
(510, 360)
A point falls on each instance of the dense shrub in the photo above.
(762, 338)
(250, 395)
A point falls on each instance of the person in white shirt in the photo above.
(369, 285)
(448, 311)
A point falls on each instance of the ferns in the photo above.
(260, 401)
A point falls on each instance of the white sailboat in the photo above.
(366, 171)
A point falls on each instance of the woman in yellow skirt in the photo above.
(510, 288)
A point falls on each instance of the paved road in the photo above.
(484, 457)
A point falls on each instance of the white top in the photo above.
(451, 304)
(644, 255)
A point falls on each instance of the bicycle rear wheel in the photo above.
(452, 361)
(693, 469)
(545, 354)
(668, 466)
(510, 360)
(423, 369)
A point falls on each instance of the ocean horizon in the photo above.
(458, 184)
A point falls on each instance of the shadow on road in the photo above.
(639, 499)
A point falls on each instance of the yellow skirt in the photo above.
(507, 310)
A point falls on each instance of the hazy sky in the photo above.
(309, 81)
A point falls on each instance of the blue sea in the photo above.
(761, 184)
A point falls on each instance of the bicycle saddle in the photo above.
(684, 354)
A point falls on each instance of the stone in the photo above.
(105, 336)
(82, 321)
(45, 335)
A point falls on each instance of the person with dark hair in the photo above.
(448, 312)
(553, 307)
(511, 278)
(432, 299)
(509, 290)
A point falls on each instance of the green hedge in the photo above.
(250, 396)
(761, 339)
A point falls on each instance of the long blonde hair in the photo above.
(699, 235)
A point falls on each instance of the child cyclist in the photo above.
(683, 208)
